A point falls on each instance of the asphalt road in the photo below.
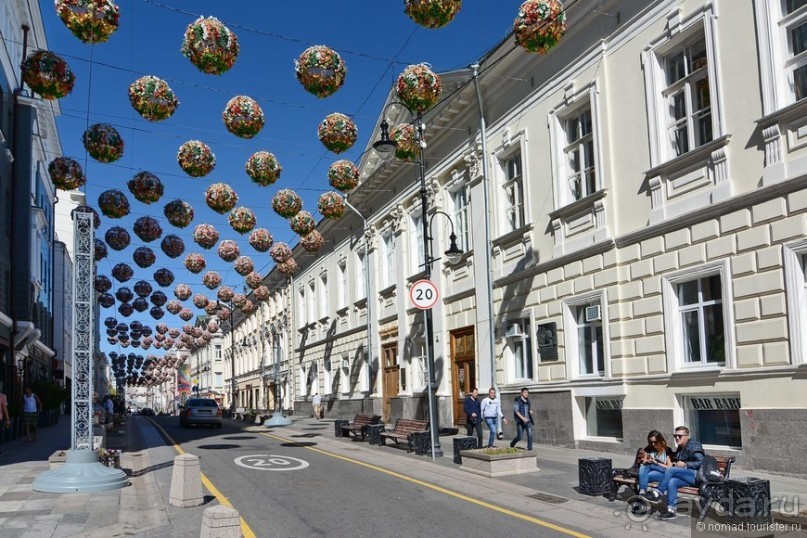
(283, 485)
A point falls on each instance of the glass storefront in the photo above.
(715, 420)
(604, 417)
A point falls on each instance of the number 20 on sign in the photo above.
(424, 294)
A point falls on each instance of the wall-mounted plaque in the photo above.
(547, 338)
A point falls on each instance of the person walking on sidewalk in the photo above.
(473, 415)
(492, 411)
(523, 417)
(5, 418)
(317, 401)
(31, 406)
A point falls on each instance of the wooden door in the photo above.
(392, 377)
(463, 369)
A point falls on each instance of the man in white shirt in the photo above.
(492, 412)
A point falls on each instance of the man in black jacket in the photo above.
(473, 416)
(688, 459)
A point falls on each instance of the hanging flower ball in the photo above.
(102, 283)
(100, 249)
(113, 204)
(261, 293)
(106, 300)
(280, 252)
(174, 307)
(157, 313)
(223, 314)
(92, 21)
(173, 333)
(407, 149)
(288, 267)
(195, 263)
(540, 25)
(103, 143)
(343, 175)
(220, 197)
(164, 277)
(124, 294)
(207, 337)
(331, 205)
(243, 265)
(158, 298)
(263, 168)
(144, 257)
(142, 288)
(313, 241)
(147, 229)
(178, 213)
(242, 219)
(140, 304)
(419, 87)
(253, 280)
(287, 203)
(320, 70)
(173, 246)
(228, 250)
(66, 174)
(152, 98)
(200, 300)
(122, 272)
(302, 223)
(125, 310)
(186, 314)
(205, 235)
(212, 326)
(182, 292)
(210, 45)
(211, 279)
(96, 220)
(117, 238)
(225, 294)
(211, 309)
(48, 75)
(260, 239)
(146, 187)
(432, 13)
(243, 116)
(337, 132)
(195, 158)
(161, 328)
(249, 307)
(239, 299)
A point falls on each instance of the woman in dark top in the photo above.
(655, 458)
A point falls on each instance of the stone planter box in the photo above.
(493, 465)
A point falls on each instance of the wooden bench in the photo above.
(404, 428)
(359, 425)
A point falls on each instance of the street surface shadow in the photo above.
(307, 435)
(300, 444)
(316, 428)
(239, 437)
(145, 470)
(218, 447)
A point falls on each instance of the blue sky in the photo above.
(376, 39)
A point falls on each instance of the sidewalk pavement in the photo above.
(142, 509)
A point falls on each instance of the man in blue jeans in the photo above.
(522, 413)
(688, 459)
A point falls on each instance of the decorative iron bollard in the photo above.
(373, 431)
(749, 500)
(463, 443)
(337, 427)
(594, 475)
(420, 442)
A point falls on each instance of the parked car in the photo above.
(147, 411)
(200, 411)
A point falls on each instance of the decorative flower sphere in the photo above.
(239, 299)
(100, 249)
(197, 332)
(122, 327)
(146, 187)
(302, 223)
(102, 283)
(164, 277)
(200, 300)
(205, 235)
(125, 310)
(263, 168)
(178, 213)
(343, 175)
(173, 246)
(211, 309)
(223, 314)
(220, 197)
(260, 239)
(211, 280)
(122, 272)
(210, 45)
(182, 292)
(143, 288)
(140, 304)
(432, 13)
(117, 238)
(173, 333)
(207, 337)
(228, 250)
(288, 267)
(331, 205)
(66, 174)
(312, 241)
(103, 143)
(144, 257)
(407, 149)
(280, 252)
(195, 263)
(158, 298)
(261, 293)
(419, 87)
(225, 294)
(106, 300)
(243, 265)
(320, 70)
(243, 116)
(174, 307)
(152, 98)
(337, 132)
(92, 21)
(157, 313)
(253, 280)
(146, 330)
(195, 158)
(124, 294)
(287, 203)
(540, 25)
(161, 328)
(249, 307)
(113, 204)
(147, 229)
(48, 75)
(242, 219)
(110, 322)
(212, 325)
(186, 314)
(96, 220)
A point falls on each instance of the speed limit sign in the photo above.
(424, 294)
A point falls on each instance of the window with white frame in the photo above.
(580, 162)
(343, 285)
(590, 342)
(420, 369)
(218, 352)
(219, 380)
(603, 416)
(344, 375)
(301, 308)
(518, 348)
(795, 26)
(303, 381)
(782, 41)
(513, 191)
(795, 261)
(312, 302)
(388, 260)
(714, 419)
(416, 243)
(324, 297)
(361, 276)
(459, 199)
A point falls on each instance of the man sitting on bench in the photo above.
(688, 458)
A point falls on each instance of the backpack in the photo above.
(709, 471)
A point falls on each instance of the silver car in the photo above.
(200, 411)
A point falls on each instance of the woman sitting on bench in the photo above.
(655, 459)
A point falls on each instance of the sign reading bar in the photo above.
(701, 403)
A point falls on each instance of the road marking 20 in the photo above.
(271, 462)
